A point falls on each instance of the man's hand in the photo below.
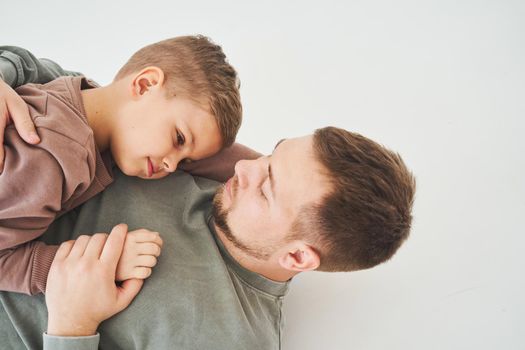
(139, 256)
(14, 109)
(81, 290)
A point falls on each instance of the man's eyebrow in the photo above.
(270, 173)
(272, 181)
(278, 143)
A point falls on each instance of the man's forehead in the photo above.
(297, 175)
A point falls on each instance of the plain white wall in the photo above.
(442, 82)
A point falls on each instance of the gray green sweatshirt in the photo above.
(198, 297)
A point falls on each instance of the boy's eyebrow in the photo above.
(192, 139)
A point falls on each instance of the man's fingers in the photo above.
(114, 244)
(64, 250)
(95, 245)
(127, 291)
(79, 247)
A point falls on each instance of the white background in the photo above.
(442, 82)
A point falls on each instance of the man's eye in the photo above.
(262, 192)
(180, 138)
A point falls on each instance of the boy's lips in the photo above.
(151, 170)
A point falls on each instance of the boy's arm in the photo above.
(221, 166)
(18, 66)
(30, 197)
(33, 187)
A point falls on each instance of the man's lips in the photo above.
(228, 187)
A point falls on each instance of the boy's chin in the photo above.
(156, 176)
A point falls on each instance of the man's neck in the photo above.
(269, 269)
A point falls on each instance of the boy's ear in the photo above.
(146, 80)
(300, 257)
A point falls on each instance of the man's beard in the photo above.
(221, 220)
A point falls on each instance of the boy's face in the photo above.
(153, 133)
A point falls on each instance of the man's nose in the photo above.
(248, 172)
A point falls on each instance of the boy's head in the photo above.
(181, 102)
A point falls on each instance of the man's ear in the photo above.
(146, 80)
(300, 257)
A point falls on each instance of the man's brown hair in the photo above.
(366, 216)
(196, 68)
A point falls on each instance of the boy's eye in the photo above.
(180, 138)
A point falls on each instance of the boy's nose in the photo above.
(170, 163)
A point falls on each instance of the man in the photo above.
(332, 201)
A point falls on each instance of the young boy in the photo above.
(173, 101)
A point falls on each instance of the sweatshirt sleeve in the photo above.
(67, 343)
(30, 198)
(35, 184)
(18, 66)
(221, 166)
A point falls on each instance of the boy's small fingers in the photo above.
(147, 261)
(143, 236)
(142, 272)
(149, 248)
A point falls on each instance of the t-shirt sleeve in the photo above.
(52, 342)
(221, 166)
(18, 66)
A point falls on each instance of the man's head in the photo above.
(333, 201)
(180, 102)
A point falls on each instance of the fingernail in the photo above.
(33, 137)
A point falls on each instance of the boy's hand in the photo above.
(81, 290)
(14, 109)
(139, 255)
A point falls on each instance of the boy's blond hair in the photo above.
(196, 68)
